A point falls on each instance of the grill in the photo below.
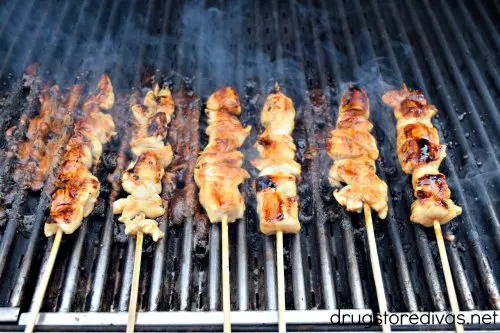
(448, 49)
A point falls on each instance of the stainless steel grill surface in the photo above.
(448, 49)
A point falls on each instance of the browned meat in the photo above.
(354, 151)
(218, 182)
(78, 188)
(420, 154)
(277, 200)
(142, 179)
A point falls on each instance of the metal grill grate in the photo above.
(449, 50)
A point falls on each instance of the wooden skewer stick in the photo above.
(280, 267)
(226, 299)
(45, 281)
(447, 276)
(134, 289)
(377, 274)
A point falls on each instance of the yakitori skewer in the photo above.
(142, 178)
(420, 155)
(277, 200)
(354, 152)
(218, 174)
(77, 189)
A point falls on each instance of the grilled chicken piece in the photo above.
(363, 185)
(143, 177)
(138, 212)
(218, 171)
(354, 110)
(233, 158)
(78, 189)
(155, 145)
(70, 205)
(354, 99)
(354, 151)
(351, 143)
(278, 212)
(160, 100)
(104, 98)
(219, 193)
(277, 200)
(415, 153)
(410, 106)
(225, 99)
(420, 154)
(225, 128)
(427, 210)
(275, 146)
(220, 198)
(278, 114)
(417, 131)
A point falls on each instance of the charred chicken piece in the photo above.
(420, 155)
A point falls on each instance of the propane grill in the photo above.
(314, 49)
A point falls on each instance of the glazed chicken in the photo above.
(77, 189)
(420, 155)
(354, 152)
(142, 179)
(218, 172)
(277, 200)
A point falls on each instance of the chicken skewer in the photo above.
(420, 155)
(218, 174)
(78, 189)
(277, 200)
(142, 178)
(354, 152)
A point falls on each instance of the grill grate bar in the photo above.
(242, 266)
(101, 275)
(299, 293)
(481, 258)
(155, 292)
(326, 280)
(492, 29)
(214, 270)
(474, 31)
(464, 92)
(71, 277)
(23, 275)
(186, 264)
(13, 6)
(22, 22)
(127, 276)
(484, 91)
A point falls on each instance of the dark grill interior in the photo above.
(450, 50)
